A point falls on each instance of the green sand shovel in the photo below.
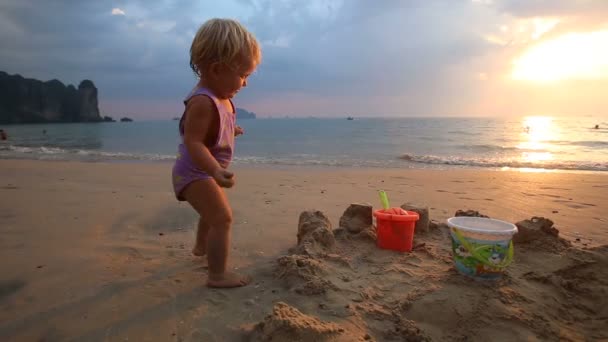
(384, 200)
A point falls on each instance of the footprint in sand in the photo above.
(575, 205)
(9, 287)
(452, 192)
(200, 335)
(9, 187)
(129, 252)
(553, 188)
(550, 195)
(217, 297)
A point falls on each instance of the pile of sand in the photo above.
(287, 323)
(552, 290)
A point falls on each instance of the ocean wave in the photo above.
(56, 153)
(491, 163)
(586, 143)
(488, 147)
(464, 133)
(404, 161)
(308, 162)
(594, 143)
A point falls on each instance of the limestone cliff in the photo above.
(244, 114)
(24, 100)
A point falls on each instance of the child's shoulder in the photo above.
(200, 103)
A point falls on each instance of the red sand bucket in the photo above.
(395, 229)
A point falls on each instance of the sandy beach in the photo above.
(100, 251)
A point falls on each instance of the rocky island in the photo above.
(243, 114)
(25, 100)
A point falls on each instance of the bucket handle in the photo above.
(475, 252)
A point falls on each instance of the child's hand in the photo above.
(223, 178)
(238, 130)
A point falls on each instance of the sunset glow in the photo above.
(571, 56)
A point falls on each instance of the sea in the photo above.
(533, 143)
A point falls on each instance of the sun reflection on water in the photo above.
(538, 131)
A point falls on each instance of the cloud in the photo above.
(117, 11)
(365, 49)
(536, 8)
(282, 40)
(320, 57)
(578, 15)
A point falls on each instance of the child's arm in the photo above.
(197, 126)
(238, 130)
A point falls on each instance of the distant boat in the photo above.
(350, 118)
(176, 118)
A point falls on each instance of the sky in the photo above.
(327, 58)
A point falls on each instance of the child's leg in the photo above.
(200, 247)
(210, 201)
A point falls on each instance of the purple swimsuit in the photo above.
(184, 170)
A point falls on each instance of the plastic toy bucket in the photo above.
(482, 247)
(395, 229)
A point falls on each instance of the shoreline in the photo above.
(292, 167)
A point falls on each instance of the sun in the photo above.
(571, 56)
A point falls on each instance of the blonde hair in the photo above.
(223, 41)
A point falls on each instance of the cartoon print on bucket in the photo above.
(493, 254)
(482, 248)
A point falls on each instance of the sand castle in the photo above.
(367, 294)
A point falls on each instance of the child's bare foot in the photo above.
(228, 279)
(198, 251)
